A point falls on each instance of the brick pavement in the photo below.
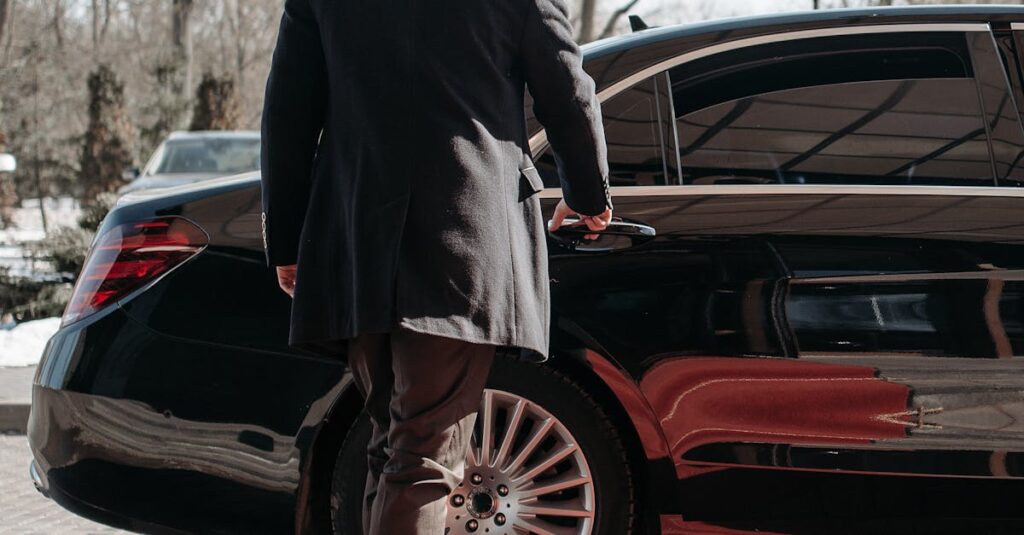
(15, 397)
(16, 384)
(23, 511)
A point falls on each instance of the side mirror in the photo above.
(130, 174)
(7, 163)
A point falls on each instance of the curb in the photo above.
(14, 418)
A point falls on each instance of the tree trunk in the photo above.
(181, 37)
(107, 8)
(5, 10)
(58, 23)
(240, 58)
(587, 9)
(9, 8)
(95, 25)
(37, 159)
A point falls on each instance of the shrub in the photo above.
(27, 298)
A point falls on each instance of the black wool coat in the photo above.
(396, 170)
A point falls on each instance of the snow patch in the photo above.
(23, 345)
(28, 226)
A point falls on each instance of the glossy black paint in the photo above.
(875, 331)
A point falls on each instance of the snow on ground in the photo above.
(28, 226)
(23, 345)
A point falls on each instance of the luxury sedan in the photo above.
(807, 316)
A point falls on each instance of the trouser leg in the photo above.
(370, 360)
(438, 383)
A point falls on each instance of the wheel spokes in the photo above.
(531, 445)
(564, 481)
(541, 527)
(487, 422)
(515, 442)
(511, 430)
(569, 509)
(550, 461)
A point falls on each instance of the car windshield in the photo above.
(209, 155)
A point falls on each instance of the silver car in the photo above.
(186, 157)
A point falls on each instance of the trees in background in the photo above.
(106, 150)
(48, 48)
(216, 106)
(5, 13)
(588, 19)
(181, 40)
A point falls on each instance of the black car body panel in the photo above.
(778, 340)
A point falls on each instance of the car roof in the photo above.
(215, 134)
(801, 20)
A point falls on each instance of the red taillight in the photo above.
(129, 256)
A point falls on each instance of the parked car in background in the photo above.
(186, 157)
(807, 316)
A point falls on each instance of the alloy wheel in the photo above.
(525, 473)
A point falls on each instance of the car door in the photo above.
(810, 188)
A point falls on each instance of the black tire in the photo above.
(563, 398)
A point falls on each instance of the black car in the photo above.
(808, 315)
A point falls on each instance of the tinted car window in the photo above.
(875, 109)
(222, 156)
(634, 125)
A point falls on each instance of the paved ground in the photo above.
(15, 397)
(23, 511)
(16, 384)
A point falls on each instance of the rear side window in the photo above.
(867, 109)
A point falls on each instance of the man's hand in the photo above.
(286, 278)
(594, 222)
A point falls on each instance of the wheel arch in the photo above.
(599, 376)
(619, 395)
(312, 507)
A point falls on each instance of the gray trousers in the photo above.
(422, 394)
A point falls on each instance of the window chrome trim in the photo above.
(539, 140)
(800, 189)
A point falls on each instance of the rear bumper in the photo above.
(87, 510)
(38, 481)
(145, 432)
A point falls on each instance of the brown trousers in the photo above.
(422, 394)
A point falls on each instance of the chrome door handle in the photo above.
(571, 227)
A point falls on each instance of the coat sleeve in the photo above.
(293, 117)
(565, 103)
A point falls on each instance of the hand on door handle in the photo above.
(572, 227)
(593, 223)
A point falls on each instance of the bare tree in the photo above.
(100, 22)
(8, 10)
(5, 10)
(58, 23)
(588, 9)
(587, 18)
(181, 36)
(609, 26)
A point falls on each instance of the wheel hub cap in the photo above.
(482, 502)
